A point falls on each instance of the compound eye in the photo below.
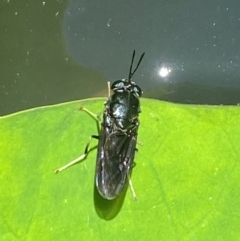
(118, 85)
(137, 90)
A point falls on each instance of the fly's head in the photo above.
(128, 84)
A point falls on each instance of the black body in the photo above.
(118, 136)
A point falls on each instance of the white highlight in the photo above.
(164, 72)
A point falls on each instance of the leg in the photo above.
(109, 88)
(131, 187)
(79, 159)
(87, 150)
(94, 116)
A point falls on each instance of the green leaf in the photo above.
(187, 176)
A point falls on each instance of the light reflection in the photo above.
(164, 72)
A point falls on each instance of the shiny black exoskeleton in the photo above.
(118, 136)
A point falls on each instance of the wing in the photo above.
(115, 157)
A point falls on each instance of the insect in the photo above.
(117, 137)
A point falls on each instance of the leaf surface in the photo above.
(186, 177)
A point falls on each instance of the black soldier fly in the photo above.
(117, 137)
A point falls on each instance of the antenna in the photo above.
(130, 72)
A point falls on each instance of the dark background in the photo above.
(58, 50)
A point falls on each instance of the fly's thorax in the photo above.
(124, 108)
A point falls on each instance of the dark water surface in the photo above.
(56, 51)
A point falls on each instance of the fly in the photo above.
(117, 137)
